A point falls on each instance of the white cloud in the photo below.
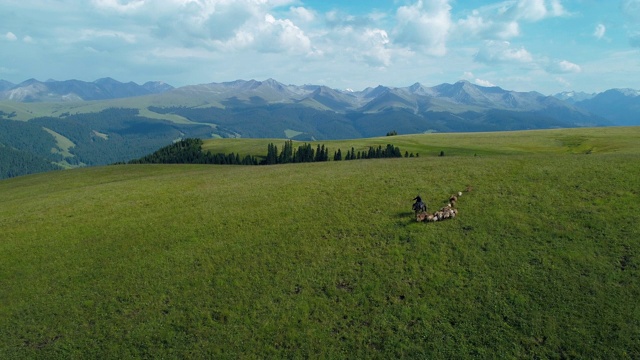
(631, 9)
(375, 43)
(563, 67)
(502, 20)
(483, 27)
(370, 46)
(424, 25)
(92, 34)
(562, 81)
(400, 42)
(280, 35)
(180, 53)
(468, 75)
(493, 52)
(599, 31)
(302, 14)
(484, 83)
(116, 5)
(536, 10)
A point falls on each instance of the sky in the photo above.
(548, 46)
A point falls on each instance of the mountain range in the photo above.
(476, 107)
(33, 90)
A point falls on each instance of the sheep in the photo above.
(447, 212)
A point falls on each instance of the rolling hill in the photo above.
(325, 260)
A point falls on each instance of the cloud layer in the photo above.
(189, 41)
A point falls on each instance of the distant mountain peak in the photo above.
(30, 81)
(627, 92)
(6, 85)
(377, 91)
(573, 96)
(107, 80)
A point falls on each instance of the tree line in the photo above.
(189, 151)
(304, 153)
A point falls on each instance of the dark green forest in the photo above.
(128, 135)
(271, 121)
(25, 149)
(29, 138)
(17, 163)
(101, 138)
(189, 151)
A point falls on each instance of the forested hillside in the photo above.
(100, 138)
(17, 163)
(25, 149)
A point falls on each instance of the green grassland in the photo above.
(560, 141)
(325, 260)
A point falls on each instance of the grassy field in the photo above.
(325, 260)
(561, 141)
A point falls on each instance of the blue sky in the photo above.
(543, 45)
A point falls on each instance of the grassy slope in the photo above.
(324, 260)
(576, 141)
(26, 111)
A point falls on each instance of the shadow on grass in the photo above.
(406, 214)
(406, 218)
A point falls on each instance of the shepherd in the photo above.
(419, 206)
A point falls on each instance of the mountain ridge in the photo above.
(33, 90)
(249, 104)
(459, 97)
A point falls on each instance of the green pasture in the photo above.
(325, 260)
(560, 141)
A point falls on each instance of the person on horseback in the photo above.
(419, 205)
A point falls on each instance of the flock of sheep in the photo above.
(447, 212)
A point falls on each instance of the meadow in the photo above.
(326, 260)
